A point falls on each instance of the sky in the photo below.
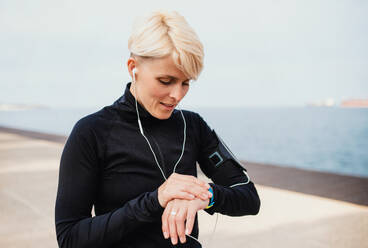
(257, 53)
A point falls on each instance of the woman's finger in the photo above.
(198, 191)
(172, 226)
(191, 213)
(180, 219)
(165, 220)
(184, 195)
(190, 179)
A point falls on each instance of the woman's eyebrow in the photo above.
(167, 76)
(171, 77)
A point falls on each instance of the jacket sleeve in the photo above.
(77, 191)
(233, 201)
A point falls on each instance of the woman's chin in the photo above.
(162, 115)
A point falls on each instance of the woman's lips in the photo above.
(167, 106)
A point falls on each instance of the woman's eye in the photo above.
(165, 82)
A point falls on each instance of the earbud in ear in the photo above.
(134, 71)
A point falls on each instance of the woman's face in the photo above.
(160, 85)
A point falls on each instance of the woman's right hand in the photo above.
(179, 186)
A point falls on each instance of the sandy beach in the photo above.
(299, 208)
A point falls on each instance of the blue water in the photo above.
(322, 139)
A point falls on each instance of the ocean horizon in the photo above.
(328, 139)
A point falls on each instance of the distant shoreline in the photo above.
(35, 135)
(347, 188)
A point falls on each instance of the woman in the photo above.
(135, 160)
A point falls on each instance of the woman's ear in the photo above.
(132, 63)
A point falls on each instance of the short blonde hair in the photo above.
(162, 33)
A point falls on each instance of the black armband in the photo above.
(221, 164)
(222, 154)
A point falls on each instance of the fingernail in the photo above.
(166, 235)
(182, 239)
(187, 232)
(173, 241)
(204, 195)
(209, 194)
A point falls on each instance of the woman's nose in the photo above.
(177, 92)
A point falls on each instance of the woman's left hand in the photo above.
(179, 212)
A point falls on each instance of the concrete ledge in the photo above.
(34, 134)
(338, 187)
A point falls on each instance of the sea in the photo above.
(329, 139)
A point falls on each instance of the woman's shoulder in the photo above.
(194, 117)
(92, 123)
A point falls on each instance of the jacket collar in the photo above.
(126, 103)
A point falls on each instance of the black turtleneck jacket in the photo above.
(107, 163)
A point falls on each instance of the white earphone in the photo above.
(134, 71)
(136, 105)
